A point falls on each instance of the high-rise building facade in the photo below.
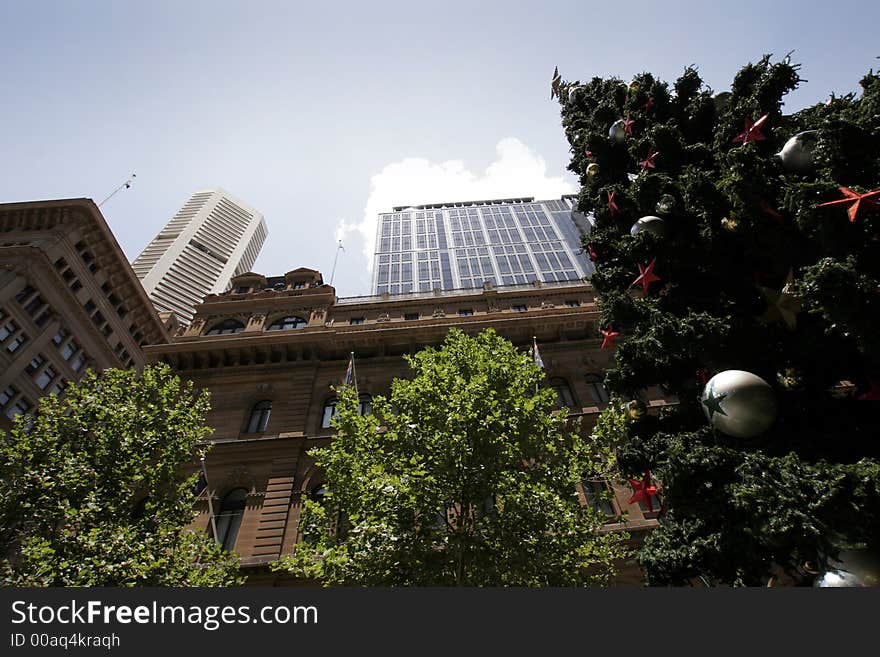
(212, 238)
(451, 246)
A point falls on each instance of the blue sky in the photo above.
(322, 114)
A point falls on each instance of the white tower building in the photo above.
(212, 238)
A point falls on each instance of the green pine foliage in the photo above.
(738, 511)
(462, 477)
(92, 490)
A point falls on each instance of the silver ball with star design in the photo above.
(797, 154)
(739, 403)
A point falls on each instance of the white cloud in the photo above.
(516, 172)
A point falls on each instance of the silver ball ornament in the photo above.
(797, 154)
(649, 224)
(739, 403)
(617, 131)
(833, 578)
(573, 94)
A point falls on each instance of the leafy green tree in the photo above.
(757, 273)
(92, 491)
(463, 477)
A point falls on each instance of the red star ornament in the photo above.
(768, 209)
(647, 276)
(854, 200)
(610, 335)
(628, 125)
(643, 491)
(648, 162)
(648, 103)
(592, 252)
(612, 205)
(752, 131)
(588, 153)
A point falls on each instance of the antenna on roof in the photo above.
(338, 249)
(126, 185)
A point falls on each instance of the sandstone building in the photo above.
(271, 350)
(69, 301)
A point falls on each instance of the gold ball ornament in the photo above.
(730, 224)
(593, 170)
(636, 409)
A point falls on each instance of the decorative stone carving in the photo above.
(439, 312)
(547, 304)
(383, 318)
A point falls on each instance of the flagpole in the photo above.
(534, 353)
(354, 374)
(210, 505)
(126, 184)
(333, 273)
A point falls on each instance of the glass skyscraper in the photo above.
(451, 246)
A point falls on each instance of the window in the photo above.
(564, 398)
(35, 363)
(286, 323)
(365, 404)
(16, 342)
(411, 316)
(226, 326)
(59, 387)
(519, 308)
(598, 496)
(465, 312)
(77, 363)
(597, 389)
(20, 407)
(329, 412)
(356, 320)
(22, 296)
(228, 520)
(573, 303)
(365, 407)
(45, 377)
(7, 329)
(299, 285)
(69, 349)
(243, 289)
(259, 418)
(7, 394)
(58, 338)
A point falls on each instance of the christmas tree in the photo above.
(737, 253)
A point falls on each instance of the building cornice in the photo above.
(46, 215)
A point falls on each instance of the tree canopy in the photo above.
(94, 489)
(762, 228)
(462, 476)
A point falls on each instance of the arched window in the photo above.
(285, 323)
(226, 326)
(597, 389)
(318, 493)
(228, 520)
(259, 418)
(564, 398)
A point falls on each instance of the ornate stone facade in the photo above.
(69, 301)
(272, 382)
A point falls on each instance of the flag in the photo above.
(349, 373)
(537, 354)
(201, 484)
